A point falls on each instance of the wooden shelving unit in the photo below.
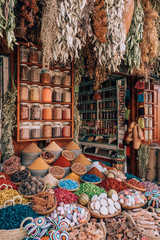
(19, 101)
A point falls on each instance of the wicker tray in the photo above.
(57, 176)
(95, 183)
(65, 151)
(48, 211)
(18, 183)
(134, 223)
(72, 190)
(131, 207)
(99, 216)
(30, 196)
(134, 187)
(79, 174)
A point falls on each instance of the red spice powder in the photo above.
(95, 171)
(62, 162)
(112, 183)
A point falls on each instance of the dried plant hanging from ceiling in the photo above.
(149, 45)
(7, 21)
(134, 37)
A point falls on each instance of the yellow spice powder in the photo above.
(39, 164)
(74, 177)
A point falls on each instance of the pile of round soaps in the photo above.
(103, 205)
(31, 186)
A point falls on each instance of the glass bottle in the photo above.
(34, 93)
(47, 130)
(34, 74)
(57, 112)
(45, 76)
(57, 94)
(35, 112)
(24, 92)
(66, 78)
(66, 130)
(23, 54)
(47, 112)
(33, 55)
(24, 131)
(56, 130)
(36, 131)
(56, 77)
(23, 72)
(24, 111)
(66, 112)
(66, 95)
(47, 94)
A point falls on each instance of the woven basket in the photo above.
(100, 216)
(64, 154)
(76, 172)
(50, 160)
(71, 190)
(95, 183)
(16, 234)
(134, 187)
(134, 223)
(48, 211)
(38, 173)
(30, 196)
(55, 175)
(18, 183)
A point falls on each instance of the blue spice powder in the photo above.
(90, 178)
(68, 184)
(12, 216)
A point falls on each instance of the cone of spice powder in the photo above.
(39, 164)
(82, 159)
(32, 148)
(62, 162)
(74, 177)
(95, 171)
(54, 148)
(73, 147)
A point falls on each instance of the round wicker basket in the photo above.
(79, 165)
(95, 183)
(56, 169)
(30, 196)
(48, 161)
(48, 211)
(69, 155)
(134, 187)
(18, 183)
(71, 190)
(100, 216)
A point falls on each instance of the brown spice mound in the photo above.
(53, 146)
(72, 146)
(95, 171)
(82, 159)
(32, 148)
(39, 164)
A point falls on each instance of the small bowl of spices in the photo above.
(48, 157)
(70, 156)
(57, 172)
(79, 169)
(19, 176)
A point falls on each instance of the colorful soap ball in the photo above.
(12, 216)
(83, 199)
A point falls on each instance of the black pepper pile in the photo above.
(19, 176)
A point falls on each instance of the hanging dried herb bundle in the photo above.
(99, 20)
(7, 21)
(8, 121)
(143, 159)
(111, 53)
(134, 37)
(49, 31)
(90, 59)
(149, 45)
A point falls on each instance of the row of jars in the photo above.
(32, 55)
(33, 75)
(47, 130)
(58, 112)
(48, 95)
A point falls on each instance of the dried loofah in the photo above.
(99, 21)
(149, 45)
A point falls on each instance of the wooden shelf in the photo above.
(43, 139)
(50, 67)
(51, 103)
(148, 103)
(45, 120)
(45, 84)
(149, 128)
(99, 145)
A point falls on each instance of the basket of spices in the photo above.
(70, 156)
(79, 169)
(32, 186)
(57, 172)
(91, 178)
(48, 157)
(11, 165)
(54, 148)
(64, 163)
(19, 176)
(73, 147)
(39, 168)
(83, 160)
(30, 153)
(68, 184)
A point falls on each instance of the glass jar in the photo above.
(33, 55)
(57, 94)
(36, 131)
(149, 109)
(150, 134)
(66, 130)
(150, 122)
(24, 111)
(146, 135)
(47, 130)
(34, 74)
(24, 131)
(35, 112)
(56, 130)
(57, 112)
(150, 97)
(66, 78)
(23, 54)
(24, 92)
(34, 93)
(23, 72)
(66, 112)
(66, 95)
(146, 109)
(47, 112)
(47, 94)
(56, 77)
(45, 76)
(146, 122)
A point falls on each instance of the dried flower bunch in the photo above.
(149, 45)
(7, 21)
(134, 37)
